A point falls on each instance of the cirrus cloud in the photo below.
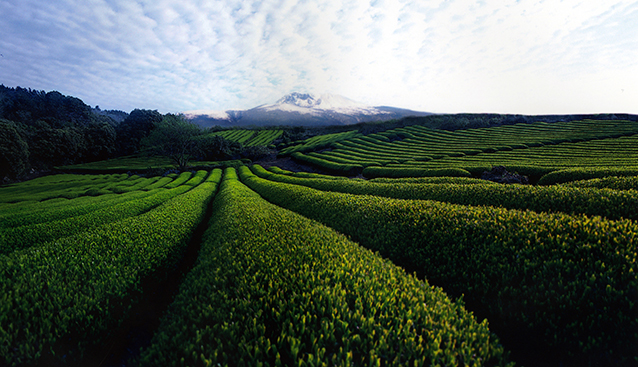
(528, 56)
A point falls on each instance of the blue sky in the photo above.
(504, 56)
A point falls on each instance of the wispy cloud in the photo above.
(528, 56)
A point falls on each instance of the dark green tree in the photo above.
(55, 147)
(174, 137)
(14, 151)
(215, 147)
(135, 127)
(100, 141)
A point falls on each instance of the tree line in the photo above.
(40, 130)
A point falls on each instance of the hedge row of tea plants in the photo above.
(594, 154)
(21, 237)
(395, 172)
(60, 298)
(520, 147)
(277, 170)
(123, 164)
(159, 183)
(434, 180)
(264, 137)
(337, 157)
(339, 168)
(138, 183)
(611, 182)
(197, 178)
(49, 187)
(611, 204)
(319, 142)
(577, 174)
(181, 179)
(29, 211)
(274, 288)
(238, 135)
(566, 282)
(250, 137)
(33, 212)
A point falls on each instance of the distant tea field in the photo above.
(416, 261)
(531, 149)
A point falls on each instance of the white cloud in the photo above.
(528, 56)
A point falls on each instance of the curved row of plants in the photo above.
(250, 137)
(531, 149)
(65, 296)
(48, 187)
(274, 288)
(28, 212)
(64, 223)
(610, 152)
(318, 142)
(567, 283)
(609, 182)
(611, 204)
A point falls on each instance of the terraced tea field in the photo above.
(250, 137)
(311, 269)
(531, 149)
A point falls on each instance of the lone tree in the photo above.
(174, 137)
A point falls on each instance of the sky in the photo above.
(443, 56)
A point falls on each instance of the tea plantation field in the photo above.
(531, 149)
(316, 270)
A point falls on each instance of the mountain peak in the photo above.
(302, 109)
(310, 101)
(300, 99)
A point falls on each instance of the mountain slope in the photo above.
(302, 109)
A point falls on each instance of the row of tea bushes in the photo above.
(319, 142)
(400, 172)
(611, 204)
(339, 168)
(250, 138)
(566, 282)
(137, 163)
(264, 137)
(467, 148)
(33, 212)
(65, 186)
(277, 170)
(351, 157)
(274, 288)
(431, 179)
(611, 182)
(434, 180)
(139, 183)
(181, 179)
(609, 153)
(159, 183)
(578, 174)
(30, 212)
(60, 298)
(21, 237)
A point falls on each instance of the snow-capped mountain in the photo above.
(317, 105)
(301, 109)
